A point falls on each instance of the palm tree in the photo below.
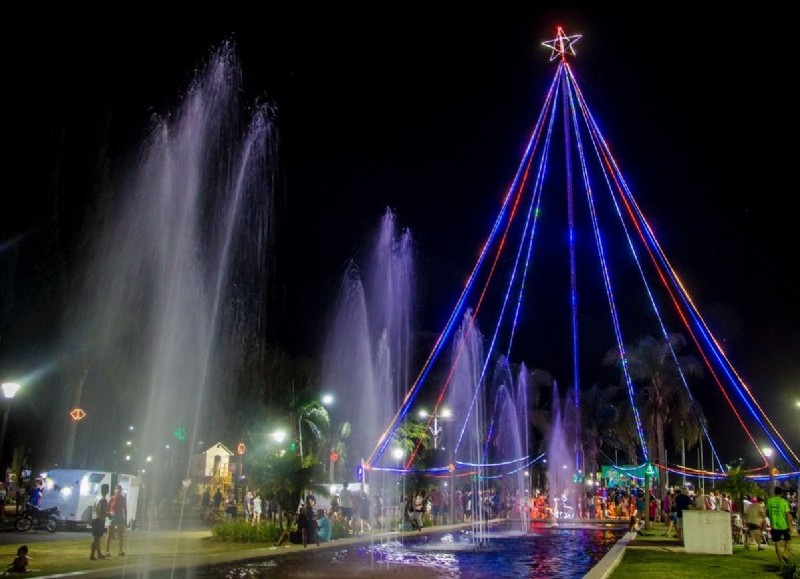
(598, 413)
(658, 373)
(312, 420)
(621, 434)
(737, 485)
(540, 416)
(338, 444)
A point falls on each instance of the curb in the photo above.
(611, 559)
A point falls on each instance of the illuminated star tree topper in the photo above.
(562, 44)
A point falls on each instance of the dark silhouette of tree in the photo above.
(737, 485)
(598, 414)
(658, 373)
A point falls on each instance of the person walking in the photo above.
(755, 521)
(419, 509)
(346, 504)
(780, 520)
(118, 511)
(666, 506)
(257, 505)
(99, 522)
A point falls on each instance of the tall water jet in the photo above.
(508, 430)
(466, 397)
(365, 360)
(174, 303)
(559, 460)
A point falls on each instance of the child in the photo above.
(20, 562)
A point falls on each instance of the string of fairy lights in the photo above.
(582, 135)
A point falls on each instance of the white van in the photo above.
(74, 491)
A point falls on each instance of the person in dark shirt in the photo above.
(20, 562)
(682, 502)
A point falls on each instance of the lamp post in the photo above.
(327, 401)
(278, 437)
(435, 428)
(771, 458)
(399, 454)
(9, 391)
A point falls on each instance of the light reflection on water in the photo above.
(542, 553)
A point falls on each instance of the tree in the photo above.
(654, 366)
(407, 436)
(621, 434)
(285, 479)
(540, 383)
(737, 485)
(598, 413)
(658, 374)
(312, 418)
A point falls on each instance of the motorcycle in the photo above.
(32, 517)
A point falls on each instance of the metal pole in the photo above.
(702, 466)
(683, 453)
(333, 449)
(772, 473)
(452, 518)
(3, 436)
(300, 433)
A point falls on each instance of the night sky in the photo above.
(427, 112)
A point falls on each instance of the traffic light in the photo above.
(293, 446)
(334, 456)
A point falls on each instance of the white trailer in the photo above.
(74, 491)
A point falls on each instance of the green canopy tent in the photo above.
(627, 475)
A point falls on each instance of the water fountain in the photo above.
(508, 429)
(559, 463)
(365, 360)
(467, 438)
(174, 288)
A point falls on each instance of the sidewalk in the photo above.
(194, 552)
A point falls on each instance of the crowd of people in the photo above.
(758, 523)
(358, 512)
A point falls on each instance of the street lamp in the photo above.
(278, 437)
(770, 457)
(435, 429)
(327, 401)
(9, 391)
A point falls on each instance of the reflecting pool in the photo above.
(543, 552)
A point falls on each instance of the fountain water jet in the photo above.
(559, 461)
(174, 298)
(509, 431)
(366, 355)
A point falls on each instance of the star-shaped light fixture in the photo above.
(561, 45)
